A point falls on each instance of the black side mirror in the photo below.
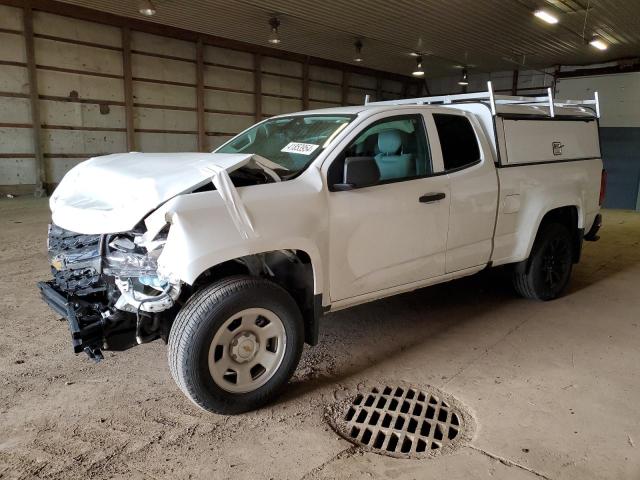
(359, 172)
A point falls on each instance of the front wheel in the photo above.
(546, 273)
(235, 344)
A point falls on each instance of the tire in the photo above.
(225, 334)
(546, 273)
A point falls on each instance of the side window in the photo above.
(398, 145)
(457, 139)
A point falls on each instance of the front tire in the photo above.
(235, 344)
(546, 273)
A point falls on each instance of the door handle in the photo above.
(432, 197)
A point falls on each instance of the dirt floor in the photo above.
(554, 387)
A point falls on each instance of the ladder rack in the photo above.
(494, 100)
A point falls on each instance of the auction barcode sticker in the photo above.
(301, 148)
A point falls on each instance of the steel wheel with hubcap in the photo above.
(247, 350)
(235, 344)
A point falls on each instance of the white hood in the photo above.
(113, 193)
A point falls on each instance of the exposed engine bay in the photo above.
(110, 286)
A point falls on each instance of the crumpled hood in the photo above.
(113, 193)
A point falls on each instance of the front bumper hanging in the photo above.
(86, 338)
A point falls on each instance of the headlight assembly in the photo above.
(127, 258)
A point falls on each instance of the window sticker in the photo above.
(301, 148)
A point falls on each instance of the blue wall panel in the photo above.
(621, 156)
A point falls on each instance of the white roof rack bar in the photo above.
(493, 100)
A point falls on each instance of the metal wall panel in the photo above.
(79, 87)
(229, 101)
(73, 114)
(85, 107)
(63, 27)
(15, 140)
(146, 42)
(17, 171)
(13, 79)
(10, 18)
(15, 110)
(12, 48)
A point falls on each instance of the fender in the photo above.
(203, 234)
(531, 231)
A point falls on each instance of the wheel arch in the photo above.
(292, 269)
(567, 215)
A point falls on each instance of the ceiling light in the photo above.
(419, 71)
(274, 36)
(546, 16)
(358, 55)
(146, 8)
(598, 43)
(464, 81)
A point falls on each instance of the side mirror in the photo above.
(359, 172)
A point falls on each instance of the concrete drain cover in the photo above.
(403, 421)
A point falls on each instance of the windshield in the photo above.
(291, 142)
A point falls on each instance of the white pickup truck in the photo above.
(232, 257)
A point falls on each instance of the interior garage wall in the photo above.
(517, 82)
(102, 88)
(619, 130)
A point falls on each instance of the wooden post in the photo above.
(305, 85)
(128, 88)
(41, 175)
(514, 85)
(345, 88)
(257, 85)
(202, 134)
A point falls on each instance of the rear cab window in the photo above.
(458, 141)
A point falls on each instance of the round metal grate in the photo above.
(402, 421)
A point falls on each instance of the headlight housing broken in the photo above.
(127, 257)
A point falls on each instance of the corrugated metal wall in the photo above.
(82, 79)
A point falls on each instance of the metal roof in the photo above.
(490, 35)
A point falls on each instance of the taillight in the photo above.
(603, 186)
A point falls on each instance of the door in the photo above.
(473, 184)
(394, 232)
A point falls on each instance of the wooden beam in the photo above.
(305, 85)
(514, 85)
(345, 88)
(257, 86)
(41, 175)
(202, 136)
(91, 15)
(128, 88)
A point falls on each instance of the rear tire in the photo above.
(546, 273)
(235, 344)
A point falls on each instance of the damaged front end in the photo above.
(108, 289)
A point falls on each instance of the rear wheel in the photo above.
(546, 273)
(235, 344)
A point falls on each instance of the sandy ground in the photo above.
(554, 387)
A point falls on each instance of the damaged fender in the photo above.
(204, 229)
